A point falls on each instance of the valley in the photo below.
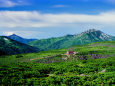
(67, 41)
(57, 42)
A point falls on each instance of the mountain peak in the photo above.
(88, 32)
(20, 39)
(13, 35)
(91, 30)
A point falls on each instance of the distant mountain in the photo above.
(9, 46)
(20, 39)
(86, 37)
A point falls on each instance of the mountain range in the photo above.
(67, 41)
(14, 44)
(9, 46)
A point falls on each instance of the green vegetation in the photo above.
(48, 68)
(72, 40)
(9, 46)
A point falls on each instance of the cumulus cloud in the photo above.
(27, 19)
(11, 3)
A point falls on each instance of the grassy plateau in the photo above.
(93, 65)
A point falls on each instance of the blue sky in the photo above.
(54, 18)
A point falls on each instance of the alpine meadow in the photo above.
(57, 43)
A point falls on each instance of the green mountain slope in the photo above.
(9, 46)
(32, 69)
(86, 37)
(20, 39)
(51, 43)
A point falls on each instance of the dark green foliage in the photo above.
(22, 73)
(64, 73)
(21, 70)
(19, 56)
(9, 46)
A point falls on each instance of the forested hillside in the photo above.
(9, 46)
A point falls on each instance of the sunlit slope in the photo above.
(71, 40)
(90, 51)
(94, 64)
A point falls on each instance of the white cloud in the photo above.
(11, 3)
(27, 34)
(25, 19)
(8, 33)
